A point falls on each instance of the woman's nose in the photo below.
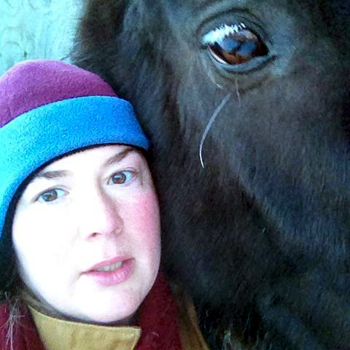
(99, 215)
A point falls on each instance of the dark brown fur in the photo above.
(260, 235)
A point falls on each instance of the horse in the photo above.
(247, 106)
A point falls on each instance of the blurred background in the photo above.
(36, 29)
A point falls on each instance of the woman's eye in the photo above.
(121, 177)
(234, 45)
(51, 195)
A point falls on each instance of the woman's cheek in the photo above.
(147, 217)
(37, 227)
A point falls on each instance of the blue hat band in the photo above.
(47, 132)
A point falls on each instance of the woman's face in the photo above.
(86, 232)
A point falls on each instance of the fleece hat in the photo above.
(50, 108)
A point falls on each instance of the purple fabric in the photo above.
(29, 85)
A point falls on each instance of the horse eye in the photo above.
(235, 45)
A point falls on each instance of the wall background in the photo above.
(36, 29)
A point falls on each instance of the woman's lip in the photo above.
(113, 277)
(108, 263)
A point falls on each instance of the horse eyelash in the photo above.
(221, 32)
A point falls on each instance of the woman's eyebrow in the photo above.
(119, 156)
(56, 174)
(50, 175)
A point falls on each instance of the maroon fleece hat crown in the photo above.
(35, 83)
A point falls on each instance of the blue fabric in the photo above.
(47, 132)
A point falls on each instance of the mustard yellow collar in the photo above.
(57, 334)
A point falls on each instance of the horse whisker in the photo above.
(210, 123)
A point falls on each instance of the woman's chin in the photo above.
(108, 318)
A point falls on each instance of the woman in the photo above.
(79, 220)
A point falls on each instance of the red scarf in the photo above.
(159, 322)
